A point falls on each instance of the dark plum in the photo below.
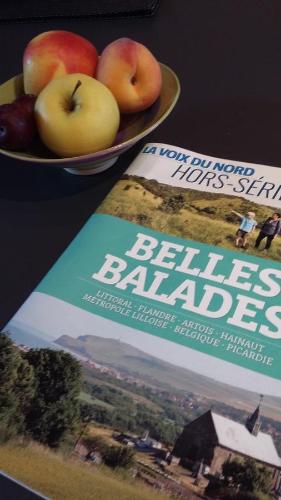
(17, 123)
(27, 102)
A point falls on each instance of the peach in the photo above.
(132, 74)
(56, 53)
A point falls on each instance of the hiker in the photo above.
(270, 228)
(247, 226)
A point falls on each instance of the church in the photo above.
(213, 439)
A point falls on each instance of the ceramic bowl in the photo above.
(133, 128)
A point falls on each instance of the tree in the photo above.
(172, 204)
(119, 456)
(256, 477)
(55, 407)
(87, 412)
(16, 387)
(98, 443)
(248, 476)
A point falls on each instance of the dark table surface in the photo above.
(227, 56)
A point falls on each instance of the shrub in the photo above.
(119, 456)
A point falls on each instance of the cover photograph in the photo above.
(170, 299)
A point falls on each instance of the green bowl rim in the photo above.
(105, 152)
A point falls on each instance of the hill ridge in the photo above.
(158, 372)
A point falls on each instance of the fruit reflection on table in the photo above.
(73, 99)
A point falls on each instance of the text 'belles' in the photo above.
(242, 294)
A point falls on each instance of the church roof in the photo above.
(236, 437)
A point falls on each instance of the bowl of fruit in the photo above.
(73, 109)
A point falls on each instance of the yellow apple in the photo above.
(76, 115)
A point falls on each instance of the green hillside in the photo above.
(159, 373)
(84, 397)
(89, 376)
(186, 213)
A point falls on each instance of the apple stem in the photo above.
(75, 88)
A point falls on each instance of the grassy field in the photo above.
(200, 216)
(136, 397)
(49, 474)
(87, 398)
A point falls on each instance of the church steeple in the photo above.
(253, 422)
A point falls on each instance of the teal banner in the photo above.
(220, 302)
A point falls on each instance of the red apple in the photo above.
(132, 74)
(56, 53)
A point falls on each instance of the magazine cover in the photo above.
(169, 298)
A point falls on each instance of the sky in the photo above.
(52, 317)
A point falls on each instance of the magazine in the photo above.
(170, 295)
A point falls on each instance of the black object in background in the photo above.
(40, 9)
(10, 489)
